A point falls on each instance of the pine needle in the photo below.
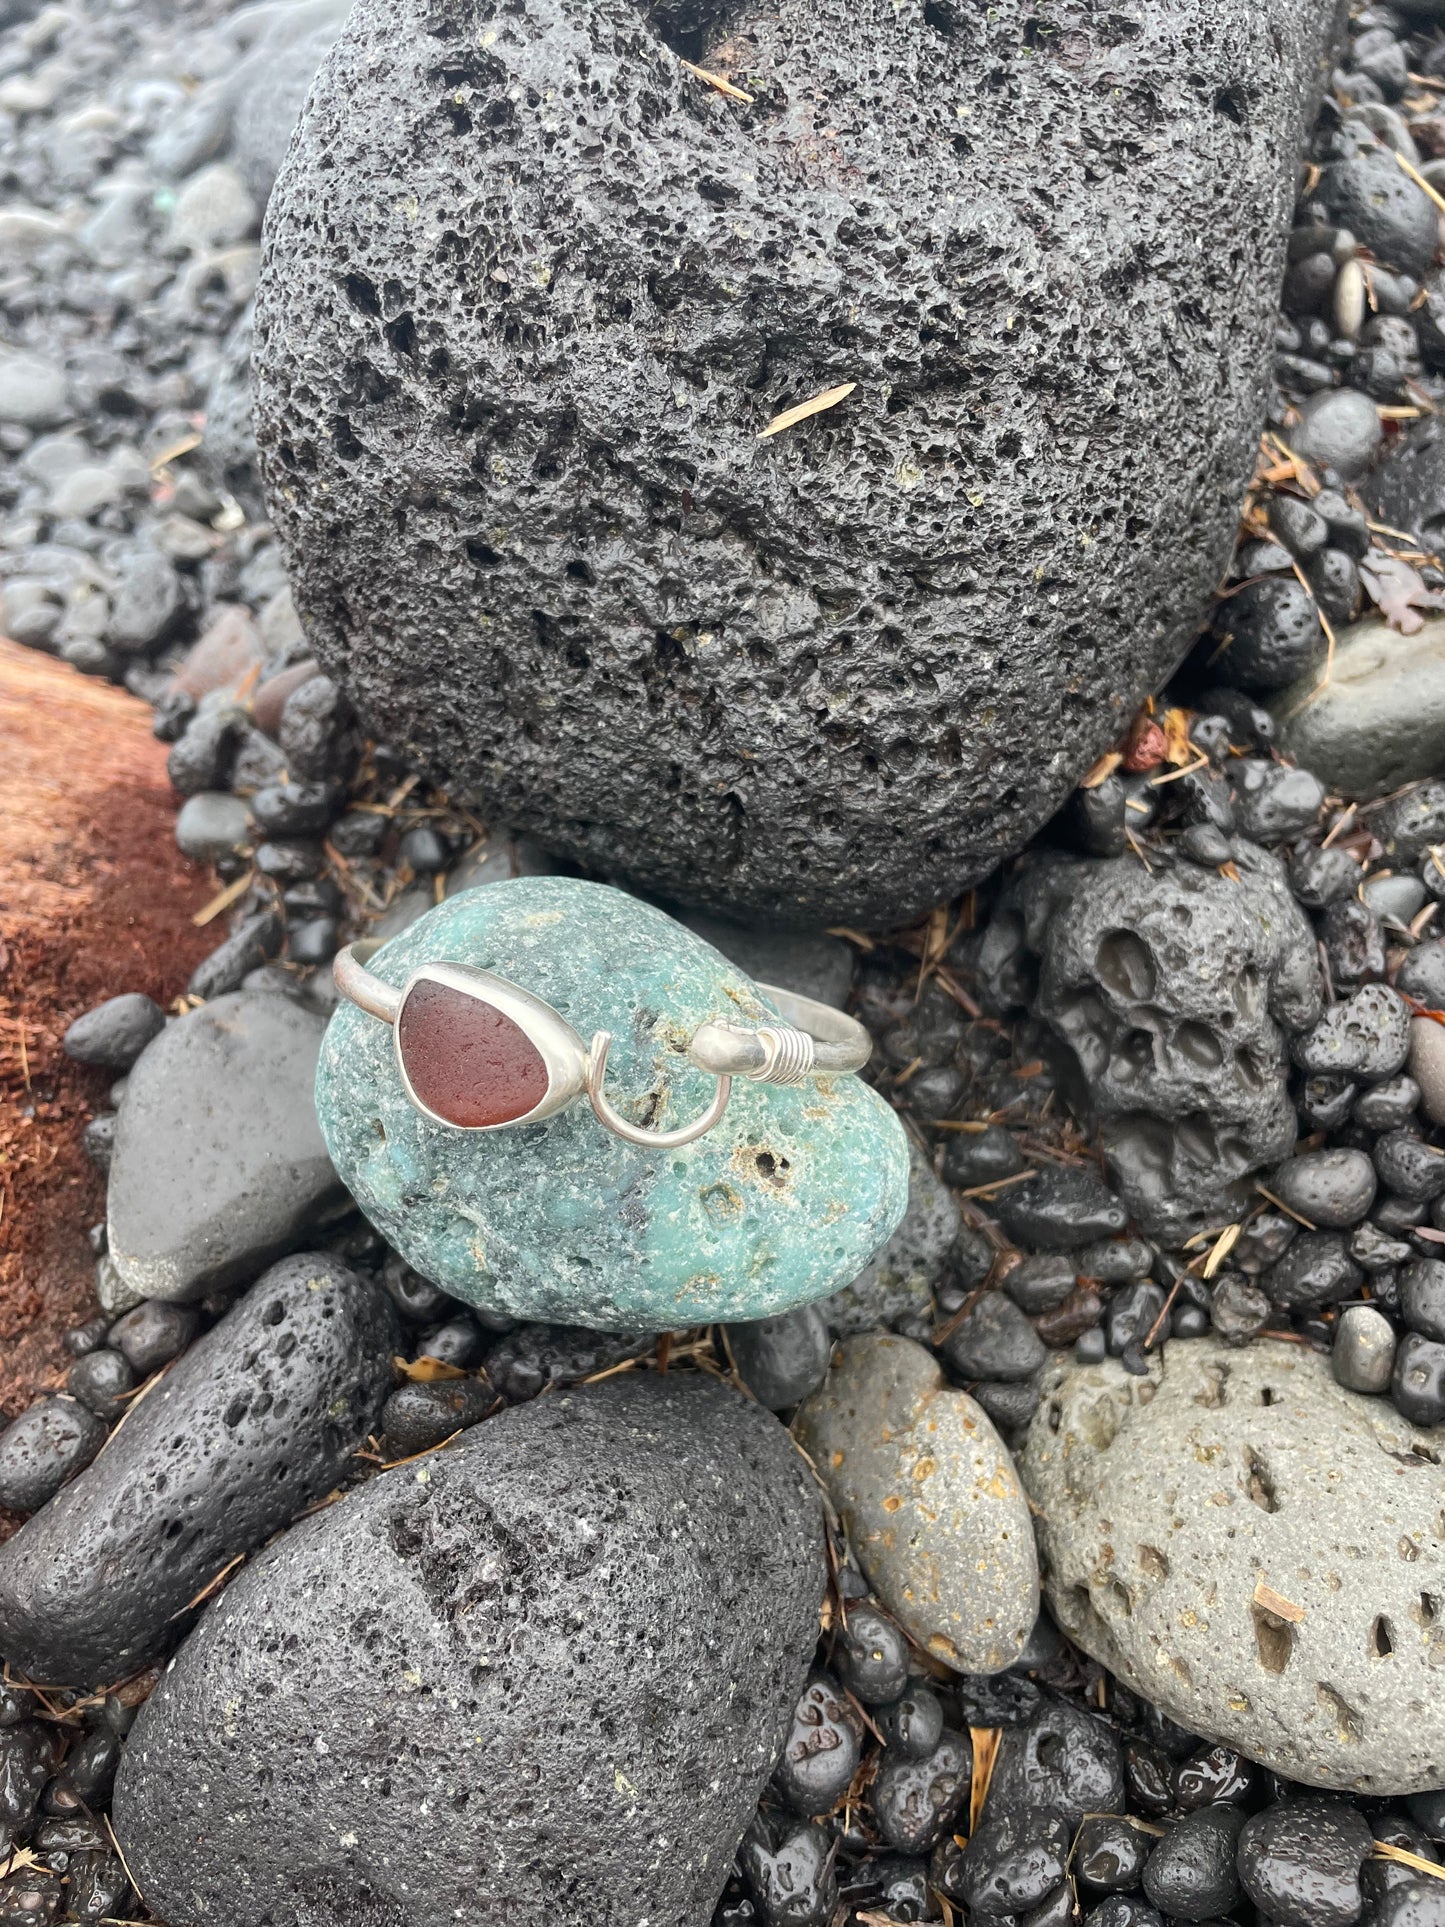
(223, 899)
(985, 1741)
(720, 81)
(1404, 1858)
(790, 417)
(1274, 1602)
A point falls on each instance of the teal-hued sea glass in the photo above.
(783, 1202)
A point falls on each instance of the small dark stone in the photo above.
(97, 1886)
(202, 757)
(1077, 1317)
(416, 1298)
(1366, 1035)
(313, 942)
(1124, 1910)
(1262, 1241)
(1089, 1347)
(1238, 1309)
(1272, 633)
(1149, 1776)
(153, 1334)
(1299, 1862)
(101, 1380)
(822, 1750)
(1110, 1852)
(994, 1341)
(1354, 943)
(287, 860)
(1191, 1872)
(28, 1756)
(114, 1034)
(1042, 1282)
(1131, 1315)
(1417, 1384)
(317, 733)
(871, 1656)
(1316, 1270)
(1422, 974)
(1412, 823)
(911, 1725)
(782, 1359)
(936, 1092)
(532, 1356)
(90, 1336)
(1058, 1208)
(359, 833)
(1275, 800)
(1385, 1107)
(1374, 1251)
(1319, 877)
(458, 1342)
(1295, 523)
(88, 1772)
(1334, 577)
(1325, 1102)
(42, 1450)
(1413, 1902)
(425, 849)
(257, 939)
(1015, 1859)
(295, 809)
(1205, 845)
(915, 1801)
(997, 1699)
(1395, 1215)
(419, 1416)
(1212, 1774)
(1422, 1296)
(1011, 1404)
(979, 1157)
(1332, 1189)
(792, 1880)
(1115, 1261)
(1063, 1758)
(1409, 1167)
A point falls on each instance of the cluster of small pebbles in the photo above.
(1068, 1206)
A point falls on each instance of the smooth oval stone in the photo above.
(1162, 1502)
(1191, 1874)
(1331, 1189)
(1062, 1757)
(48, 1444)
(1363, 1354)
(822, 1750)
(466, 1060)
(115, 1033)
(575, 1635)
(929, 1495)
(781, 1360)
(258, 1419)
(1300, 1862)
(785, 1200)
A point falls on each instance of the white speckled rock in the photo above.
(1162, 1503)
(930, 1498)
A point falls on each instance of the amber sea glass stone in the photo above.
(467, 1061)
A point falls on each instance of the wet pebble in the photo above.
(822, 1750)
(1332, 1189)
(1339, 429)
(419, 1416)
(1366, 1035)
(792, 1878)
(1191, 1873)
(114, 1034)
(1015, 1859)
(994, 1341)
(1275, 800)
(48, 1445)
(1417, 1383)
(101, 1380)
(912, 1724)
(1300, 1861)
(153, 1334)
(1058, 1208)
(915, 1801)
(1363, 1354)
(1110, 1853)
(871, 1655)
(1409, 1167)
(1427, 1065)
(782, 1360)
(1063, 1758)
(1238, 1308)
(212, 824)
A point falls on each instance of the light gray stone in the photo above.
(213, 210)
(33, 391)
(1164, 1503)
(895, 1287)
(1379, 721)
(930, 1500)
(219, 1162)
(1427, 1065)
(1363, 1355)
(212, 823)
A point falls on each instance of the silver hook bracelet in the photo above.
(477, 1052)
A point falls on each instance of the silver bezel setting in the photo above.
(561, 1049)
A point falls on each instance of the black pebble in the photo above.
(1417, 1383)
(1058, 1208)
(1354, 943)
(153, 1334)
(1418, 1902)
(457, 1342)
(784, 1358)
(531, 1356)
(1409, 1167)
(1063, 1758)
(1316, 1270)
(418, 1416)
(114, 1034)
(418, 1300)
(100, 1380)
(1110, 1852)
(911, 1725)
(994, 1341)
(871, 1655)
(1333, 1189)
(1191, 1872)
(791, 1879)
(1422, 1296)
(979, 1157)
(1300, 1862)
(43, 1448)
(822, 1750)
(916, 1801)
(28, 1756)
(1015, 1859)
(1131, 1316)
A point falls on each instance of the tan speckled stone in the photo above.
(1257, 1550)
(930, 1499)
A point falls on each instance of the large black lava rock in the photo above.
(259, 1418)
(541, 1677)
(532, 287)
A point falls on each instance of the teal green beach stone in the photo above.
(785, 1201)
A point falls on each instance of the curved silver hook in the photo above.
(634, 1133)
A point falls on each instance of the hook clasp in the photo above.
(596, 1076)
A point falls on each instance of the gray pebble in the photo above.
(781, 1360)
(1363, 1355)
(114, 1034)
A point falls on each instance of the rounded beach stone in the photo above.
(784, 1201)
(930, 1499)
(540, 1677)
(513, 358)
(1179, 1521)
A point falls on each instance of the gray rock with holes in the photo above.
(542, 1676)
(1174, 990)
(1164, 1504)
(518, 330)
(258, 1419)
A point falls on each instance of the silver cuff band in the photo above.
(815, 1041)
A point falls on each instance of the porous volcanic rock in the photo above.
(532, 288)
(1175, 1512)
(1175, 991)
(541, 1676)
